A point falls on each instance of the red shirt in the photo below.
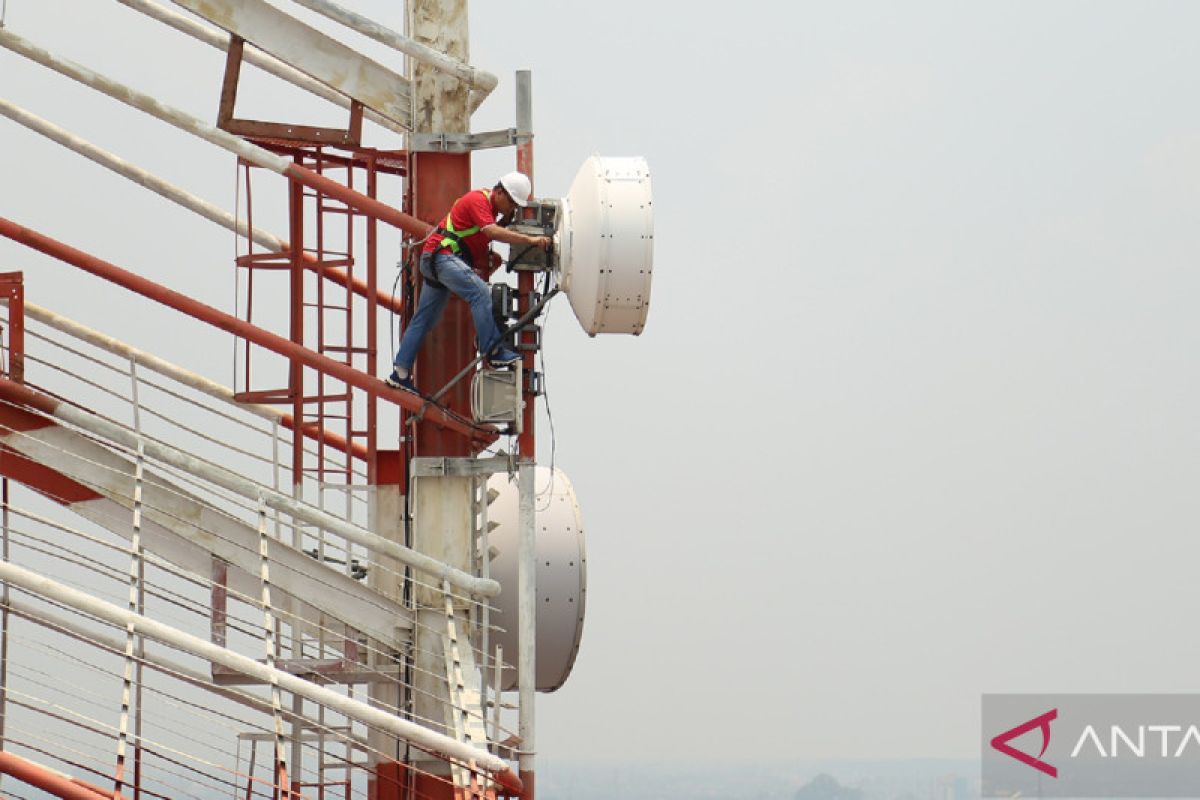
(472, 209)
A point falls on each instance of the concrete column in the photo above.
(441, 526)
(526, 621)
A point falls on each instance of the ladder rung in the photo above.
(325, 398)
(345, 261)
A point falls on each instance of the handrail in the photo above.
(264, 61)
(370, 384)
(259, 156)
(49, 780)
(186, 377)
(187, 200)
(424, 738)
(26, 398)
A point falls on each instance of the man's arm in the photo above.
(496, 233)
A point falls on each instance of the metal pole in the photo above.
(482, 82)
(184, 199)
(354, 709)
(238, 327)
(140, 605)
(252, 55)
(524, 107)
(527, 624)
(52, 781)
(187, 378)
(21, 396)
(4, 620)
(240, 147)
(441, 507)
(526, 442)
(527, 448)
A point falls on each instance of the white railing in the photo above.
(90, 603)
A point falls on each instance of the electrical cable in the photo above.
(405, 266)
(519, 325)
(400, 268)
(549, 490)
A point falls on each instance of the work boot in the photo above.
(396, 382)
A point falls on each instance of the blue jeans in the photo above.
(454, 274)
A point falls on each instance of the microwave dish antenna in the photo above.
(605, 244)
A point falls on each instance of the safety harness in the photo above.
(453, 240)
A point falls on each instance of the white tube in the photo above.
(264, 61)
(354, 709)
(136, 174)
(157, 661)
(144, 102)
(151, 362)
(526, 614)
(278, 501)
(485, 82)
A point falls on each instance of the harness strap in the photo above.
(452, 239)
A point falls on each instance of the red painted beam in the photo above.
(40, 478)
(370, 384)
(334, 440)
(342, 278)
(436, 181)
(52, 782)
(15, 398)
(360, 202)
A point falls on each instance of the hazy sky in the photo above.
(914, 415)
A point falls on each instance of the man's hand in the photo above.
(496, 233)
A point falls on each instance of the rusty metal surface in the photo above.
(201, 311)
(482, 83)
(310, 51)
(268, 63)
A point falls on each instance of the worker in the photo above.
(452, 258)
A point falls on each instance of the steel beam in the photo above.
(419, 736)
(462, 142)
(52, 781)
(185, 377)
(439, 467)
(21, 398)
(86, 632)
(526, 623)
(252, 153)
(182, 198)
(310, 51)
(98, 485)
(482, 83)
(220, 40)
(527, 441)
(227, 322)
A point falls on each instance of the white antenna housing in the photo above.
(605, 242)
(561, 576)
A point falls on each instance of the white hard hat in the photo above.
(518, 187)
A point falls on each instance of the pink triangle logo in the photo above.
(1001, 742)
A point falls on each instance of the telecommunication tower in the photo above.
(358, 575)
